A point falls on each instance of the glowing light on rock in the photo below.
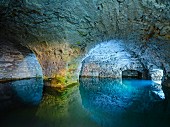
(109, 59)
(156, 77)
(29, 66)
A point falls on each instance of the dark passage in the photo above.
(127, 74)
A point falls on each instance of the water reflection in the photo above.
(63, 109)
(56, 109)
(127, 103)
(20, 92)
(95, 103)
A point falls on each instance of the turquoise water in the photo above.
(95, 103)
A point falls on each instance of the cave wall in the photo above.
(62, 32)
(17, 62)
(111, 58)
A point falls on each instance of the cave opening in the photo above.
(131, 74)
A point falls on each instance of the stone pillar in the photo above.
(156, 87)
(59, 62)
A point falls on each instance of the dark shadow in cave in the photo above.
(131, 74)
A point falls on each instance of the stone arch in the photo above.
(110, 59)
(17, 62)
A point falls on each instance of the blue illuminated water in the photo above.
(96, 102)
(27, 92)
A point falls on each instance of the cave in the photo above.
(131, 74)
(84, 63)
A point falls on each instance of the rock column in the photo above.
(156, 77)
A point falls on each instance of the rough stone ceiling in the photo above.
(79, 22)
